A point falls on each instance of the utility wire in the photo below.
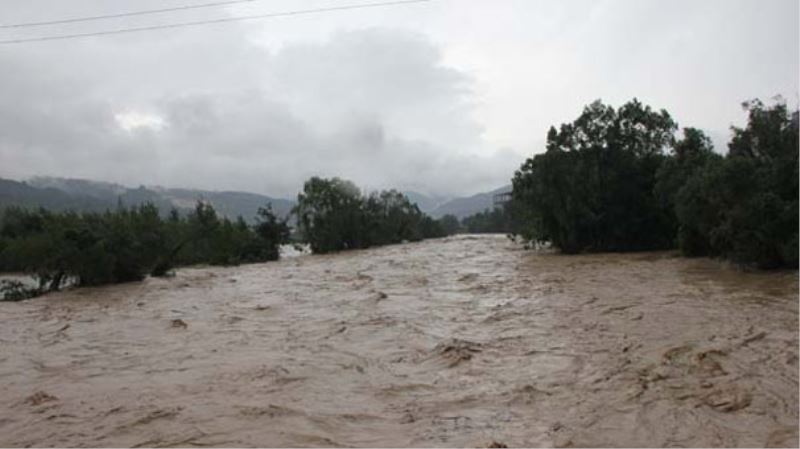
(212, 21)
(125, 14)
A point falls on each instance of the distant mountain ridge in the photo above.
(15, 193)
(466, 206)
(426, 203)
(96, 196)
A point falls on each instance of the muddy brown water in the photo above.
(463, 341)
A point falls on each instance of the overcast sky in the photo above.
(446, 97)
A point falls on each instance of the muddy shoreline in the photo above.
(463, 341)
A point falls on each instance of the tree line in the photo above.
(612, 180)
(127, 244)
(334, 215)
(497, 220)
(619, 180)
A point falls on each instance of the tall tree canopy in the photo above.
(593, 187)
(618, 180)
(333, 215)
(745, 207)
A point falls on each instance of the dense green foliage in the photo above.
(491, 221)
(450, 224)
(593, 189)
(613, 180)
(127, 244)
(333, 215)
(745, 207)
(618, 180)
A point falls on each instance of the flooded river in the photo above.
(465, 341)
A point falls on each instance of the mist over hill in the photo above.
(439, 206)
(16, 193)
(463, 207)
(426, 203)
(96, 196)
(86, 195)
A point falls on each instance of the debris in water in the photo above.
(728, 400)
(179, 323)
(40, 397)
(753, 338)
(706, 363)
(468, 277)
(456, 351)
(156, 414)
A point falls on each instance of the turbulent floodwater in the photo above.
(463, 341)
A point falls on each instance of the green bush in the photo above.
(333, 215)
(127, 244)
(608, 183)
(593, 189)
(745, 207)
(498, 220)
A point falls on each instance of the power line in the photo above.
(212, 21)
(125, 14)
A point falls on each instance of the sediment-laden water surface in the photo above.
(463, 341)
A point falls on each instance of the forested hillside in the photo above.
(82, 195)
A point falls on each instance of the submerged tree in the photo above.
(690, 155)
(592, 190)
(333, 215)
(497, 220)
(127, 244)
(607, 182)
(330, 215)
(450, 224)
(270, 233)
(745, 207)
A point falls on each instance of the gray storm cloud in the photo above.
(443, 97)
(214, 111)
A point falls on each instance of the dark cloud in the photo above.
(213, 110)
(416, 97)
